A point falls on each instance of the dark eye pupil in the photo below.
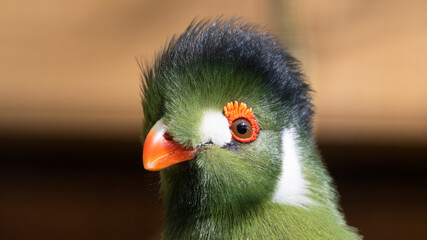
(242, 128)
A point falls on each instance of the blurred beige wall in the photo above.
(68, 67)
(366, 61)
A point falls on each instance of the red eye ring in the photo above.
(235, 112)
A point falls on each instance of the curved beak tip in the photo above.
(160, 151)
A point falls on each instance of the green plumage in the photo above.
(226, 192)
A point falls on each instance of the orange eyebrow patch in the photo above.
(234, 110)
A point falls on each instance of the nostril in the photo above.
(167, 136)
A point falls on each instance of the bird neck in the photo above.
(267, 220)
(205, 222)
(192, 210)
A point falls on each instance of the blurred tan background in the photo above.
(70, 110)
(68, 67)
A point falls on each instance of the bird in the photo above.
(228, 126)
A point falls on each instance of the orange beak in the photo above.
(160, 151)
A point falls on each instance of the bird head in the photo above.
(227, 115)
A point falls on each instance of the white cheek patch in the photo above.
(214, 127)
(292, 188)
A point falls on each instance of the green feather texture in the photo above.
(227, 192)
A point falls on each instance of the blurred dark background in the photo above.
(70, 155)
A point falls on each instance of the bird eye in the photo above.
(243, 126)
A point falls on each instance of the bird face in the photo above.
(210, 153)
